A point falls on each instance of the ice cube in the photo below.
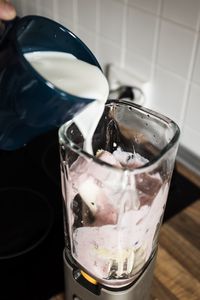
(148, 186)
(129, 159)
(94, 197)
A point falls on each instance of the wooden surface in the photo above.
(177, 271)
(193, 177)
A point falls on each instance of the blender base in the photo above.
(139, 290)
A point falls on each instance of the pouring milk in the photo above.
(76, 77)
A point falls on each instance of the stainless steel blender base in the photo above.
(139, 290)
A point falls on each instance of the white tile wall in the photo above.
(111, 18)
(190, 139)
(175, 47)
(28, 7)
(64, 13)
(108, 52)
(192, 117)
(88, 22)
(167, 94)
(45, 7)
(196, 71)
(149, 5)
(184, 12)
(158, 40)
(138, 65)
(141, 32)
(89, 38)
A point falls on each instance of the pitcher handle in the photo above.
(5, 27)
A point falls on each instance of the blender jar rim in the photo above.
(149, 166)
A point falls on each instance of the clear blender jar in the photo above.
(114, 200)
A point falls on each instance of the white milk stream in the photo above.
(76, 77)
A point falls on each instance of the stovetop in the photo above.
(31, 221)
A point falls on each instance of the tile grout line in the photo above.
(156, 41)
(97, 29)
(159, 14)
(55, 10)
(124, 34)
(38, 4)
(155, 52)
(75, 16)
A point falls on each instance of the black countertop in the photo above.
(31, 221)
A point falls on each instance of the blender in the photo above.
(114, 201)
